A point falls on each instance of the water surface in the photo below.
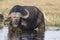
(50, 33)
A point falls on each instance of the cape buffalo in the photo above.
(1, 17)
(26, 18)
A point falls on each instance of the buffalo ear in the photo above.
(5, 16)
(7, 20)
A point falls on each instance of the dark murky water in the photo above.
(51, 33)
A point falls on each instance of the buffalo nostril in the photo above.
(15, 22)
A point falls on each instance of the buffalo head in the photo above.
(15, 17)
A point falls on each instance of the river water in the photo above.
(51, 33)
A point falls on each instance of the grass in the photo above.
(52, 19)
(50, 8)
(1, 0)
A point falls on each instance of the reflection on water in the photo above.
(49, 35)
